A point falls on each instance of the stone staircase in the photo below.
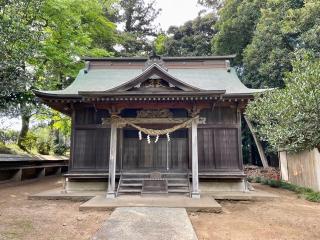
(132, 183)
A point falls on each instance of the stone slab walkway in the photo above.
(204, 204)
(147, 223)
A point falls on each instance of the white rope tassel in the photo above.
(148, 139)
(157, 138)
(168, 137)
(140, 135)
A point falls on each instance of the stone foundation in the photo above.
(223, 186)
(72, 186)
(207, 186)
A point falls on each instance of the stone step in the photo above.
(141, 179)
(178, 185)
(178, 190)
(148, 176)
(131, 185)
(131, 190)
(133, 182)
(132, 179)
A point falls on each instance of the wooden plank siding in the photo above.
(161, 155)
(219, 148)
(218, 140)
(91, 149)
(90, 143)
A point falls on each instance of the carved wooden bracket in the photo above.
(107, 121)
(154, 113)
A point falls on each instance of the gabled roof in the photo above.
(190, 74)
(157, 70)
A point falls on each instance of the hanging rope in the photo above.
(153, 132)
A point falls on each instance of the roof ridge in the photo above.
(140, 58)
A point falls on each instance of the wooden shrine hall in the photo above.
(154, 125)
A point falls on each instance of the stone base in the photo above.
(195, 195)
(111, 195)
(223, 186)
(85, 186)
(208, 186)
(204, 204)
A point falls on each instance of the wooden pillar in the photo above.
(72, 138)
(194, 154)
(112, 161)
(239, 138)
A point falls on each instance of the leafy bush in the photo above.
(29, 141)
(43, 139)
(307, 193)
(4, 149)
(43, 147)
(289, 118)
(60, 149)
(274, 183)
(9, 136)
(258, 179)
(313, 197)
(250, 179)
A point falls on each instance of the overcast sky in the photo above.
(176, 12)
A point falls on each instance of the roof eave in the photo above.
(167, 93)
(41, 94)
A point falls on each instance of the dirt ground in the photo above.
(21, 218)
(285, 218)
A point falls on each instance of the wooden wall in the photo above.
(218, 143)
(218, 140)
(90, 141)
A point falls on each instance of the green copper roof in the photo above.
(204, 79)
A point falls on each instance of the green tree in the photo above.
(191, 39)
(269, 55)
(289, 118)
(44, 43)
(159, 44)
(235, 27)
(265, 34)
(213, 4)
(20, 34)
(73, 28)
(137, 18)
(19, 37)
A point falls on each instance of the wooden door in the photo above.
(163, 155)
(218, 149)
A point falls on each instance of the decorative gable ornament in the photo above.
(155, 59)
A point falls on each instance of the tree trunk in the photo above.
(259, 146)
(24, 130)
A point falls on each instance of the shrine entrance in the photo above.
(163, 155)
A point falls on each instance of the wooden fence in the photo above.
(302, 168)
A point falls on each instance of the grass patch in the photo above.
(306, 193)
(5, 150)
